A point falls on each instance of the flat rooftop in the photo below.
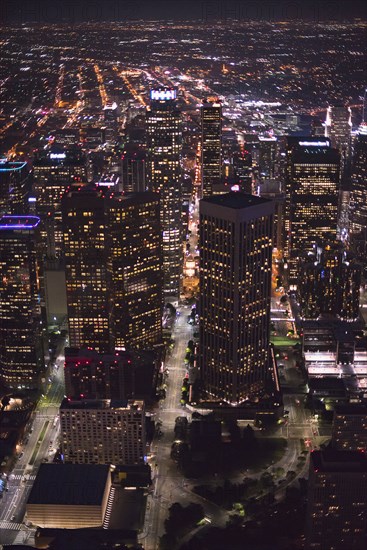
(19, 222)
(235, 200)
(101, 404)
(339, 461)
(70, 484)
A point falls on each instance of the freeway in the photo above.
(39, 446)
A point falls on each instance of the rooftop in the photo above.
(19, 222)
(69, 484)
(235, 200)
(100, 404)
(339, 461)
(9, 166)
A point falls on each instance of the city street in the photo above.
(43, 430)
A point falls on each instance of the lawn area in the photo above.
(284, 341)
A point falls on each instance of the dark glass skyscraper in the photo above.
(13, 187)
(337, 501)
(21, 350)
(358, 214)
(113, 267)
(235, 277)
(312, 196)
(211, 144)
(53, 173)
(164, 177)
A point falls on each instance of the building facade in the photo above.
(337, 501)
(164, 137)
(338, 127)
(21, 349)
(211, 145)
(312, 196)
(235, 276)
(350, 427)
(358, 213)
(102, 432)
(14, 187)
(113, 268)
(53, 173)
(329, 283)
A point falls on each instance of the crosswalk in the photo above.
(10, 525)
(20, 476)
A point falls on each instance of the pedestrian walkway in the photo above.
(10, 525)
(20, 476)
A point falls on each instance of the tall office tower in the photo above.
(21, 350)
(53, 173)
(312, 194)
(102, 432)
(211, 144)
(88, 270)
(344, 203)
(135, 256)
(271, 189)
(14, 187)
(235, 276)
(242, 163)
(164, 138)
(329, 283)
(350, 427)
(113, 268)
(116, 376)
(358, 212)
(338, 127)
(337, 501)
(268, 146)
(133, 168)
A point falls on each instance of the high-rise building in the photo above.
(268, 146)
(211, 144)
(312, 195)
(338, 127)
(164, 177)
(21, 349)
(350, 427)
(116, 376)
(133, 168)
(329, 283)
(53, 173)
(135, 255)
(102, 432)
(337, 501)
(358, 213)
(14, 187)
(113, 267)
(235, 277)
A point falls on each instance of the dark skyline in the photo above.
(59, 11)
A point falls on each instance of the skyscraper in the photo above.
(329, 283)
(21, 350)
(350, 427)
(358, 213)
(268, 146)
(164, 177)
(211, 144)
(53, 173)
(113, 259)
(337, 501)
(338, 127)
(235, 277)
(14, 187)
(102, 431)
(312, 194)
(133, 168)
